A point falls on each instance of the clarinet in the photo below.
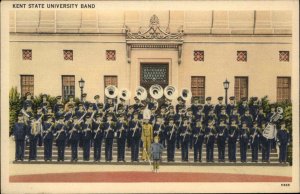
(172, 131)
(122, 128)
(98, 129)
(134, 129)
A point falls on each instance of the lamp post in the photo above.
(81, 85)
(226, 86)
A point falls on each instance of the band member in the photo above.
(261, 117)
(231, 105)
(210, 133)
(123, 105)
(147, 138)
(185, 131)
(58, 113)
(218, 107)
(283, 137)
(223, 116)
(179, 105)
(211, 116)
(254, 138)
(51, 114)
(247, 118)
(20, 131)
(171, 113)
(44, 103)
(86, 137)
(221, 139)
(253, 108)
(28, 113)
(179, 122)
(269, 119)
(71, 101)
(60, 138)
(57, 104)
(158, 129)
(74, 129)
(234, 116)
(135, 135)
(243, 107)
(98, 133)
(171, 134)
(109, 128)
(233, 133)
(109, 104)
(68, 115)
(265, 145)
(96, 103)
(48, 128)
(156, 152)
(28, 102)
(198, 134)
(85, 103)
(136, 105)
(33, 139)
(39, 118)
(121, 128)
(195, 105)
(244, 140)
(200, 115)
(208, 106)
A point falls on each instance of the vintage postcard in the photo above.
(149, 96)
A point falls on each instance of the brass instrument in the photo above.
(156, 91)
(186, 94)
(124, 94)
(34, 128)
(170, 92)
(141, 93)
(120, 131)
(111, 91)
(48, 130)
(186, 133)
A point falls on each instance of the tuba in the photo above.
(186, 94)
(277, 115)
(124, 94)
(156, 91)
(170, 92)
(111, 91)
(141, 93)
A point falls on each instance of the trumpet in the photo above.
(98, 129)
(135, 128)
(172, 131)
(107, 130)
(120, 131)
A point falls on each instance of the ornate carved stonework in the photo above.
(154, 32)
(154, 37)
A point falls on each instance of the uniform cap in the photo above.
(244, 99)
(44, 95)
(27, 94)
(220, 98)
(254, 98)
(58, 97)
(84, 95)
(20, 115)
(208, 98)
(231, 98)
(135, 98)
(96, 97)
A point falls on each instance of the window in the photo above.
(68, 86)
(27, 54)
(240, 88)
(283, 89)
(110, 80)
(284, 56)
(242, 56)
(110, 55)
(27, 84)
(198, 55)
(68, 55)
(198, 87)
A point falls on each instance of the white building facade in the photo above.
(50, 51)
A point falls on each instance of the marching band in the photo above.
(88, 125)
